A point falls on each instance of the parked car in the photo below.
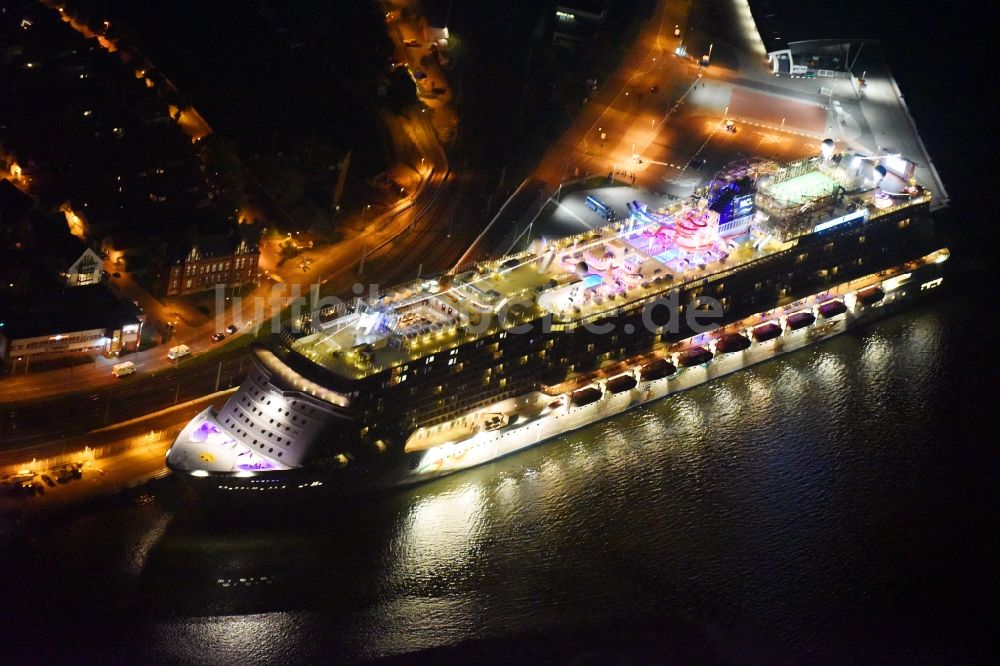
(219, 337)
(48, 480)
(64, 476)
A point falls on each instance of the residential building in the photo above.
(67, 256)
(229, 259)
(578, 21)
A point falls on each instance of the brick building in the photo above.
(228, 259)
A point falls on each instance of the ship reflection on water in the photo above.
(442, 530)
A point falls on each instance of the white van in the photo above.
(123, 369)
(177, 352)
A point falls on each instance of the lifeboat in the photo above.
(585, 396)
(495, 421)
(871, 295)
(695, 356)
(731, 342)
(427, 438)
(657, 369)
(765, 332)
(621, 383)
(832, 309)
(798, 320)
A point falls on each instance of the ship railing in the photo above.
(288, 336)
(879, 212)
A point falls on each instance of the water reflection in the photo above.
(440, 531)
(765, 491)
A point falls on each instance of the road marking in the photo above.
(778, 129)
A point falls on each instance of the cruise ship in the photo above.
(443, 374)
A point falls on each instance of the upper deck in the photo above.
(604, 271)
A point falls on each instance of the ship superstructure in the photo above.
(444, 373)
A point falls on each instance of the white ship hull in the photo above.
(527, 431)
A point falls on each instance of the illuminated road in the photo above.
(415, 234)
(114, 458)
(64, 415)
(414, 142)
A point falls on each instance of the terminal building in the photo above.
(849, 76)
(820, 42)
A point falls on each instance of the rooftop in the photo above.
(14, 204)
(64, 311)
(206, 246)
(782, 22)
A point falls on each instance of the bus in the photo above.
(601, 208)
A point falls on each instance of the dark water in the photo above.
(835, 503)
(839, 504)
